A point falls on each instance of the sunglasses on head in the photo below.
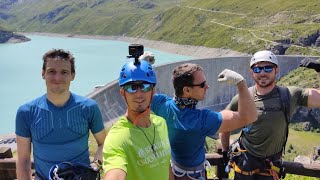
(201, 85)
(267, 69)
(133, 88)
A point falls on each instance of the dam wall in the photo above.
(112, 105)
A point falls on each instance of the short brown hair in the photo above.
(182, 76)
(58, 54)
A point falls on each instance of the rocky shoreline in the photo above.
(187, 50)
(11, 37)
(12, 144)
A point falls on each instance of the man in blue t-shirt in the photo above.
(189, 126)
(57, 124)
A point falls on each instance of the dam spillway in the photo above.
(112, 105)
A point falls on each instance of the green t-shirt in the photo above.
(266, 136)
(127, 148)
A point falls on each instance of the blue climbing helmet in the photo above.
(137, 71)
(73, 171)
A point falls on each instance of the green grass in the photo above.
(302, 77)
(301, 143)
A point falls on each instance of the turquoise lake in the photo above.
(98, 62)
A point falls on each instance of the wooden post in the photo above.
(312, 170)
(8, 168)
(220, 168)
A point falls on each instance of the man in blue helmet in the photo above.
(137, 146)
(189, 126)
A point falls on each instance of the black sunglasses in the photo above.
(133, 88)
(201, 85)
(267, 69)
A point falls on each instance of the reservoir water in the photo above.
(98, 62)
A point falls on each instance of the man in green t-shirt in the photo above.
(262, 142)
(137, 146)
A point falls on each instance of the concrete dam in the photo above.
(112, 104)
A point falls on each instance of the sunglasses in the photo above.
(201, 85)
(133, 88)
(267, 69)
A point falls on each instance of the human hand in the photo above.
(311, 64)
(230, 76)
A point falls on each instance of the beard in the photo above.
(265, 81)
(139, 109)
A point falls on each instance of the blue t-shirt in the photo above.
(58, 133)
(187, 129)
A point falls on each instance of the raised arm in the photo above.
(246, 113)
(23, 163)
(314, 94)
(314, 98)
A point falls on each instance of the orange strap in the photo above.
(272, 172)
(247, 173)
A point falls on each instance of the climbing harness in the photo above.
(235, 152)
(180, 171)
(73, 171)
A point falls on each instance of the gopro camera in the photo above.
(135, 51)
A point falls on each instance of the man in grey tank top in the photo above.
(262, 142)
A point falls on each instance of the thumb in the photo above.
(222, 76)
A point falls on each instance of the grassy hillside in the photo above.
(301, 77)
(241, 25)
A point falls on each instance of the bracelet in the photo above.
(97, 161)
(96, 165)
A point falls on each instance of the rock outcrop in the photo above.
(309, 118)
(10, 37)
(282, 45)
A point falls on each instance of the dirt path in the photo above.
(187, 50)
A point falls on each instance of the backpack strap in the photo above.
(285, 106)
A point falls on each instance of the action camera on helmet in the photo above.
(135, 51)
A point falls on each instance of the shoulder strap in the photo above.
(285, 105)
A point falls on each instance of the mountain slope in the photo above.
(287, 27)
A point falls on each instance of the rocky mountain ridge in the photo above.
(11, 37)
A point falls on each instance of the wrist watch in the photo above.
(97, 161)
(96, 165)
